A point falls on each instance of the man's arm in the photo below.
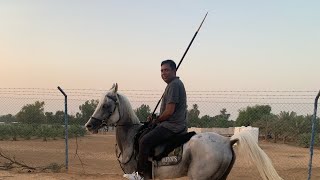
(169, 110)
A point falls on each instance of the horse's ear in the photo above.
(112, 86)
(116, 88)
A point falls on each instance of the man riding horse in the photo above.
(170, 122)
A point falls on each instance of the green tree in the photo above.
(32, 113)
(44, 131)
(252, 114)
(14, 131)
(4, 132)
(308, 124)
(205, 122)
(143, 112)
(222, 120)
(9, 118)
(58, 117)
(282, 126)
(286, 124)
(76, 131)
(27, 131)
(266, 124)
(301, 125)
(57, 131)
(73, 120)
(193, 116)
(304, 139)
(86, 111)
(49, 117)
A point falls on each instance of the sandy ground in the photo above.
(99, 162)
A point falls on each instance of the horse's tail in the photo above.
(249, 148)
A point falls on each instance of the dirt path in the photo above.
(97, 154)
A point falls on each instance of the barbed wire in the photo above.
(152, 96)
(156, 98)
(208, 100)
(152, 101)
(152, 90)
(149, 94)
(21, 93)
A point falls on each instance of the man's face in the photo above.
(167, 73)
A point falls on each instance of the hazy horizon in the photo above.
(243, 45)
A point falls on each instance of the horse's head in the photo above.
(107, 111)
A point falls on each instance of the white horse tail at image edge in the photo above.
(251, 151)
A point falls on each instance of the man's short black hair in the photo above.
(171, 63)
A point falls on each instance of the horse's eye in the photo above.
(106, 106)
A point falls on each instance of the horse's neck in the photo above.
(125, 134)
(127, 128)
(125, 140)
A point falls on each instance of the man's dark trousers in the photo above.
(149, 141)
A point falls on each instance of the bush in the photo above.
(4, 132)
(305, 139)
(44, 131)
(26, 131)
(57, 131)
(14, 131)
(76, 131)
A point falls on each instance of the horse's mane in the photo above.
(125, 106)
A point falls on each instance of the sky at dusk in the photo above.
(243, 45)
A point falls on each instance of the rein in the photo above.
(118, 156)
(116, 124)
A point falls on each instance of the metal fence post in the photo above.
(65, 123)
(313, 134)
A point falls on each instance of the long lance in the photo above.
(194, 36)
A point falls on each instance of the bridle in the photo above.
(104, 121)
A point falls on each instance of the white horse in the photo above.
(205, 155)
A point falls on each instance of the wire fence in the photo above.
(32, 117)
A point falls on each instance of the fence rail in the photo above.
(36, 114)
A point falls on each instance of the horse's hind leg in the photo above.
(231, 163)
(208, 169)
(208, 165)
(209, 159)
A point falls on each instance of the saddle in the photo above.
(168, 153)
